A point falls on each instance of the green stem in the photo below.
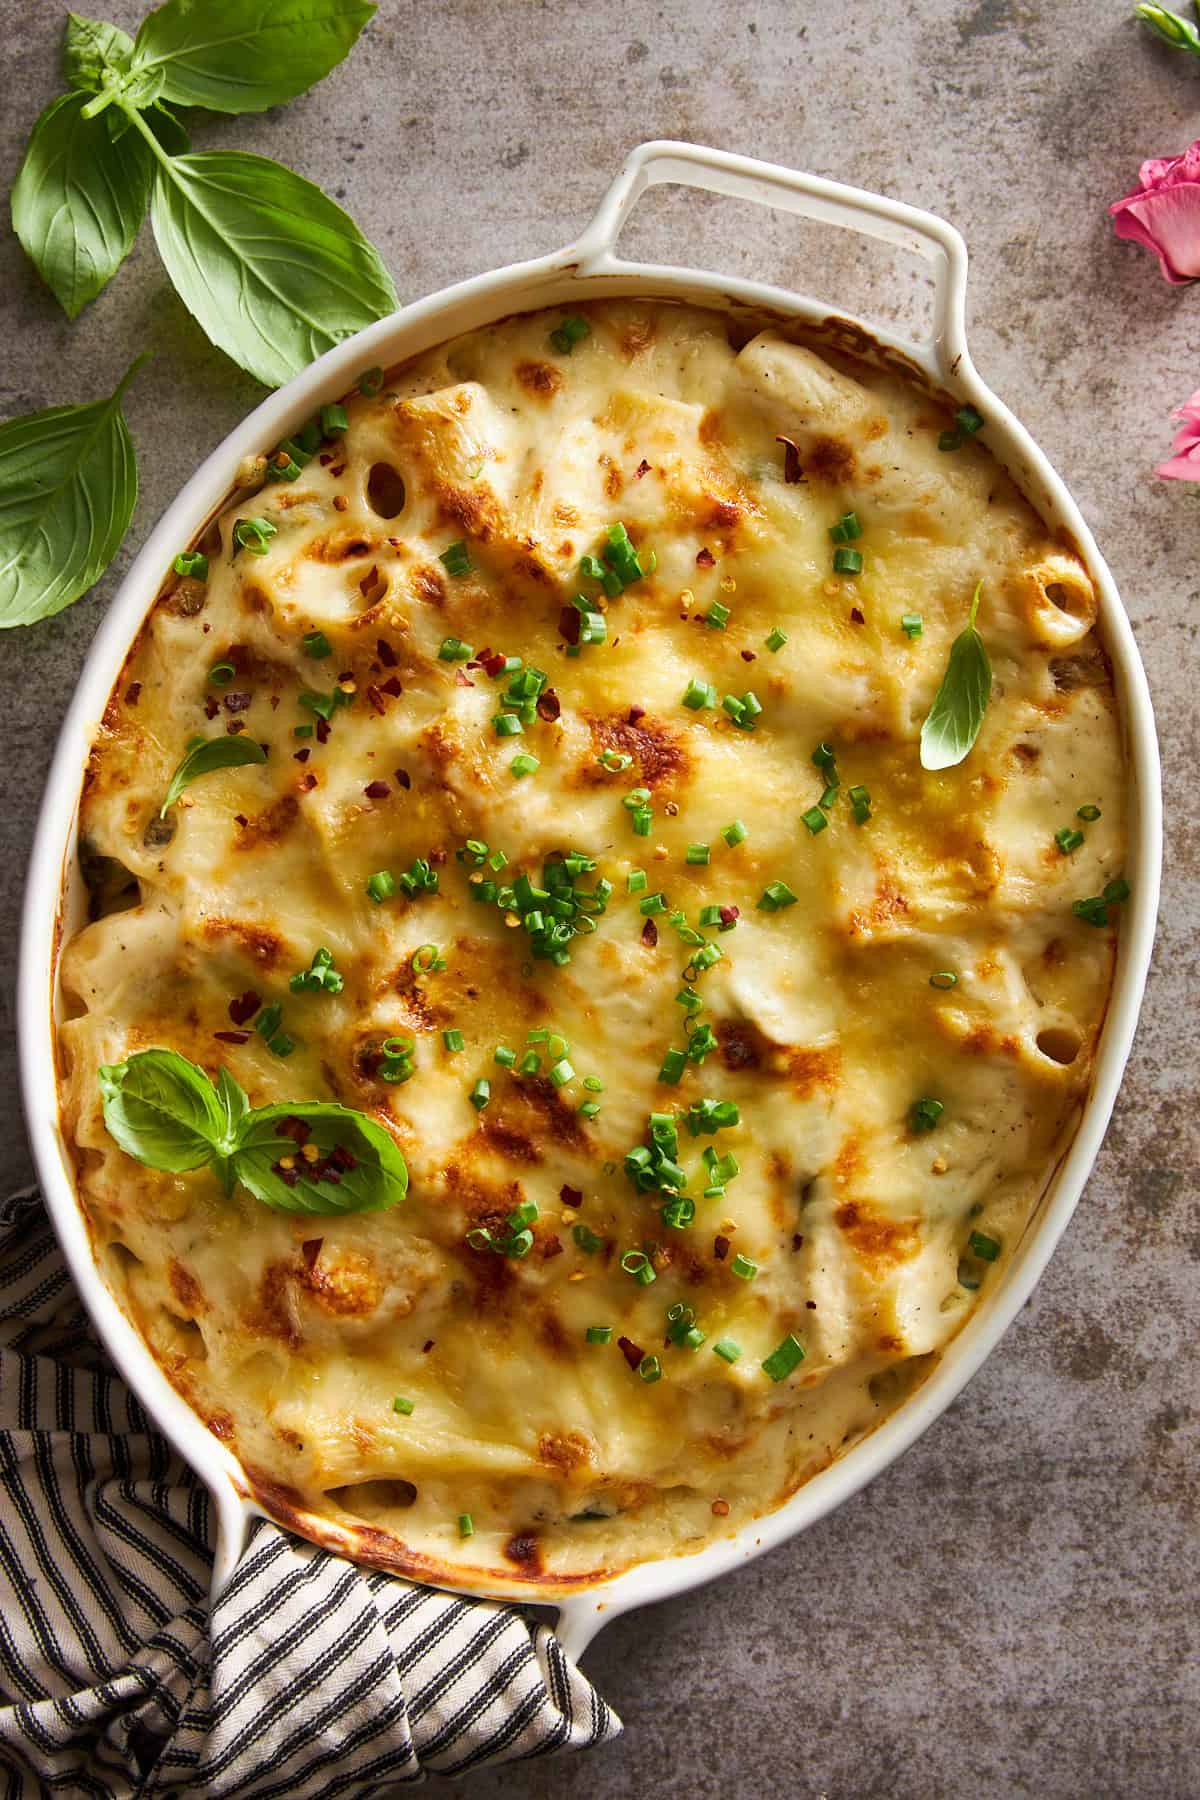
(134, 115)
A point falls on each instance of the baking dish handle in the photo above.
(810, 196)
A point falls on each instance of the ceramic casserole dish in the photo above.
(591, 269)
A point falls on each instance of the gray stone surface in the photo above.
(1008, 1611)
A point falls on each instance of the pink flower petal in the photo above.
(1167, 221)
(1180, 468)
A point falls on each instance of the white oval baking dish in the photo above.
(590, 268)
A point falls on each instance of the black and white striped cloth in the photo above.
(310, 1676)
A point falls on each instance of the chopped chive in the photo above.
(815, 819)
(734, 834)
(949, 440)
(650, 1369)
(697, 854)
(638, 1264)
(530, 1063)
(333, 420)
(480, 1094)
(586, 1239)
(593, 1084)
(775, 896)
(401, 1405)
(466, 1525)
(381, 886)
(316, 644)
(860, 801)
(969, 420)
(912, 625)
(588, 1110)
(652, 903)
(572, 330)
(506, 724)
(635, 881)
(987, 1249)
(370, 381)
(193, 563)
(1068, 839)
(699, 694)
(599, 1334)
(504, 1056)
(784, 1358)
(1089, 813)
(743, 1267)
(452, 649)
(846, 529)
(943, 978)
(562, 1072)
(453, 1040)
(455, 559)
(673, 1065)
(222, 673)
(641, 820)
(254, 535)
(428, 960)
(717, 616)
(523, 764)
(847, 562)
(924, 1114)
(728, 1349)
(616, 760)
(775, 639)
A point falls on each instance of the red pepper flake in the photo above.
(403, 778)
(797, 1241)
(212, 706)
(492, 662)
(294, 1128)
(310, 1249)
(791, 460)
(236, 703)
(729, 914)
(748, 656)
(634, 714)
(392, 687)
(569, 623)
(339, 469)
(650, 935)
(462, 680)
(274, 702)
(705, 558)
(289, 1177)
(240, 819)
(549, 706)
(811, 1305)
(307, 783)
(721, 1508)
(570, 1196)
(133, 693)
(301, 755)
(720, 1248)
(856, 617)
(322, 731)
(234, 727)
(643, 468)
(427, 1346)
(325, 458)
(377, 790)
(340, 503)
(343, 1159)
(436, 858)
(672, 809)
(375, 699)
(245, 1006)
(551, 1246)
(233, 1037)
(632, 1352)
(385, 653)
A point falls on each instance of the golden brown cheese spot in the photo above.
(523, 1548)
(876, 1239)
(812, 1067)
(743, 1045)
(335, 547)
(186, 1289)
(274, 1313)
(890, 903)
(566, 1450)
(255, 941)
(636, 336)
(345, 1282)
(656, 748)
(539, 378)
(474, 510)
(830, 460)
(428, 585)
(508, 1139)
(270, 825)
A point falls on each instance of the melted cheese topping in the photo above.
(292, 1335)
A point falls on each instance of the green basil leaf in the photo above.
(207, 755)
(239, 56)
(92, 49)
(272, 269)
(79, 199)
(164, 1110)
(376, 1180)
(960, 702)
(68, 484)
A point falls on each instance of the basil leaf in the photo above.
(164, 1110)
(272, 269)
(79, 199)
(207, 755)
(376, 1180)
(960, 702)
(92, 49)
(68, 483)
(238, 56)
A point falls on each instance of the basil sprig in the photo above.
(164, 1110)
(203, 755)
(272, 269)
(68, 484)
(961, 701)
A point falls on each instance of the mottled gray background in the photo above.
(1009, 1611)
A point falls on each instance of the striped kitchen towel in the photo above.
(310, 1676)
